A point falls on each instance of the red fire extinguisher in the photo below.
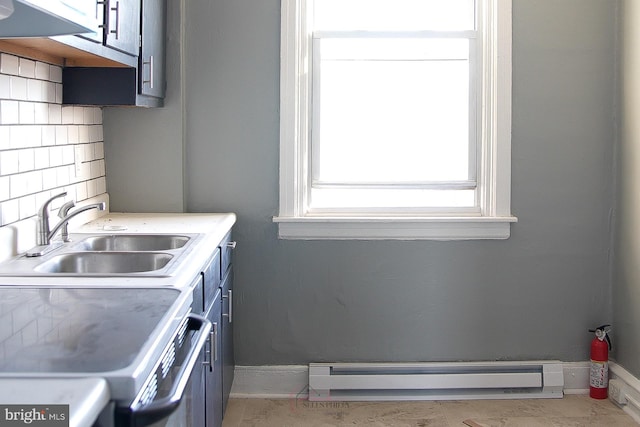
(599, 373)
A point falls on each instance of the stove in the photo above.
(131, 337)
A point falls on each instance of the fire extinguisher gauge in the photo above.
(602, 333)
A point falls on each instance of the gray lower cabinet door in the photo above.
(228, 360)
(213, 370)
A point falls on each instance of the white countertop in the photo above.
(85, 396)
(88, 396)
(212, 226)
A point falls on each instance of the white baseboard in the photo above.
(291, 381)
(624, 390)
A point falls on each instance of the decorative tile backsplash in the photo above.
(45, 147)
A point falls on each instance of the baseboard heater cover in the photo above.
(435, 381)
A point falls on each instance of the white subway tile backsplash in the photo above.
(18, 185)
(49, 91)
(23, 136)
(55, 156)
(9, 112)
(9, 64)
(68, 155)
(41, 113)
(18, 88)
(83, 134)
(10, 211)
(34, 90)
(62, 135)
(94, 133)
(55, 114)
(55, 74)
(98, 149)
(88, 152)
(27, 113)
(49, 179)
(41, 158)
(40, 139)
(97, 168)
(8, 162)
(73, 135)
(42, 71)
(97, 119)
(58, 93)
(89, 116)
(5, 86)
(63, 178)
(27, 68)
(67, 115)
(101, 184)
(92, 188)
(78, 115)
(81, 191)
(4, 188)
(26, 160)
(27, 206)
(5, 137)
(48, 135)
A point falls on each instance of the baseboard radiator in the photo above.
(435, 381)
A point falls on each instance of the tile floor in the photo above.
(572, 410)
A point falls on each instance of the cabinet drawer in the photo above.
(226, 248)
(211, 275)
(197, 306)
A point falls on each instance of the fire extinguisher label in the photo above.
(599, 375)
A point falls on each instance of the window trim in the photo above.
(494, 175)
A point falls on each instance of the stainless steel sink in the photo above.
(104, 263)
(133, 242)
(104, 255)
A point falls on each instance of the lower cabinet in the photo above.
(228, 360)
(213, 298)
(213, 367)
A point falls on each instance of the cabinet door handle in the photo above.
(230, 314)
(100, 3)
(150, 64)
(117, 11)
(212, 352)
(215, 343)
(232, 245)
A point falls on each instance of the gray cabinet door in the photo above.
(228, 360)
(122, 31)
(213, 370)
(152, 53)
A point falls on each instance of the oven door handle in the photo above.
(162, 408)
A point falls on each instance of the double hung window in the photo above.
(395, 119)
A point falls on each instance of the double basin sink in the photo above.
(106, 255)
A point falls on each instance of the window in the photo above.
(395, 119)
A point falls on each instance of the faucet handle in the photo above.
(42, 212)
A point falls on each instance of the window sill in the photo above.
(394, 228)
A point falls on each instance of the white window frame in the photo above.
(295, 221)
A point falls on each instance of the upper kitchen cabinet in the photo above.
(142, 85)
(121, 63)
(122, 25)
(152, 50)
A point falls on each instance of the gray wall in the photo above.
(532, 296)
(626, 290)
(144, 147)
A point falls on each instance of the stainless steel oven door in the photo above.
(173, 403)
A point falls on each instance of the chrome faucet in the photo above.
(64, 222)
(42, 238)
(44, 234)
